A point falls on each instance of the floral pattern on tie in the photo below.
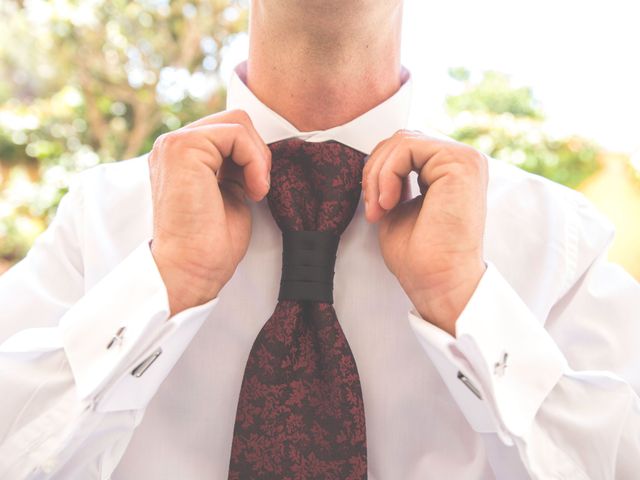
(300, 412)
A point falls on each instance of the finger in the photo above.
(241, 117)
(452, 168)
(382, 151)
(373, 210)
(232, 116)
(407, 151)
(392, 195)
(368, 164)
(228, 173)
(250, 164)
(233, 141)
(390, 184)
(412, 152)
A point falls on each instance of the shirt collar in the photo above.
(362, 133)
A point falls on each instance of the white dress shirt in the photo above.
(98, 382)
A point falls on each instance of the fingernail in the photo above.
(268, 180)
(380, 199)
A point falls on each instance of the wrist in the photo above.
(185, 288)
(443, 302)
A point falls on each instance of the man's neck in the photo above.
(319, 75)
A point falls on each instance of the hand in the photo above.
(201, 175)
(433, 242)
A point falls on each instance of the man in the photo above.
(492, 338)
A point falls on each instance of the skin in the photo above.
(204, 174)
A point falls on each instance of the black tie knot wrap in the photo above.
(315, 189)
(308, 260)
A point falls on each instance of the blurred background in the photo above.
(553, 87)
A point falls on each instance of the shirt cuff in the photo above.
(119, 339)
(502, 363)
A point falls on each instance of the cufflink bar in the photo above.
(500, 366)
(146, 363)
(464, 379)
(117, 338)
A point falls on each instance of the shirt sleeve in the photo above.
(81, 366)
(563, 391)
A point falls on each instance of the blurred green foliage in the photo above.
(505, 122)
(88, 82)
(493, 93)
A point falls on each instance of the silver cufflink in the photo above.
(146, 363)
(500, 366)
(464, 379)
(117, 338)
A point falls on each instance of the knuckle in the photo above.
(474, 159)
(468, 150)
(451, 149)
(379, 145)
(403, 132)
(159, 141)
(458, 169)
(404, 141)
(170, 139)
(239, 115)
(454, 152)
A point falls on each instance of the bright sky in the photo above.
(582, 58)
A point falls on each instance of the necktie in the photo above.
(300, 413)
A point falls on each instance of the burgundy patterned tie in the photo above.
(300, 413)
